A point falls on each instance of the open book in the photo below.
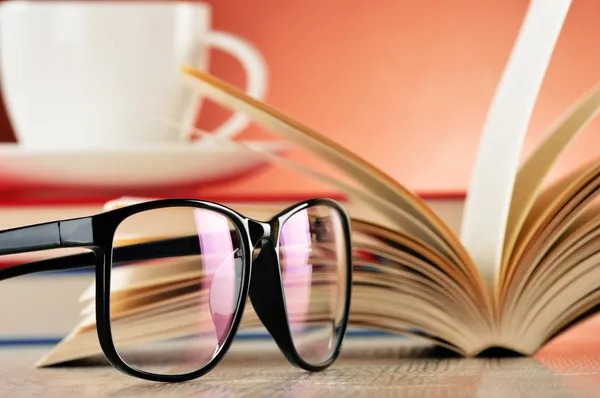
(524, 268)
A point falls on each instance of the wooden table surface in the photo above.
(398, 367)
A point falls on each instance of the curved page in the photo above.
(489, 196)
(371, 178)
(537, 166)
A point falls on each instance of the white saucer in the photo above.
(140, 167)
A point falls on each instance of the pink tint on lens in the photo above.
(295, 246)
(218, 253)
(197, 309)
(312, 260)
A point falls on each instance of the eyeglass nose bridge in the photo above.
(266, 289)
(259, 231)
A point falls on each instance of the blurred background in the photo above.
(404, 84)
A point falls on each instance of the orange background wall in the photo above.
(406, 84)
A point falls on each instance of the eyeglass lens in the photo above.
(171, 315)
(313, 269)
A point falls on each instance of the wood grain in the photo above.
(384, 367)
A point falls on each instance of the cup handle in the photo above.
(256, 72)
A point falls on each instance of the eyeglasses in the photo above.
(295, 269)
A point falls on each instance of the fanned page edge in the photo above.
(537, 166)
(267, 116)
(489, 195)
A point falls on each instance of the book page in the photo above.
(549, 210)
(537, 166)
(490, 191)
(374, 180)
(571, 295)
(378, 191)
(558, 195)
(572, 241)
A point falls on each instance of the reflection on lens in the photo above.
(175, 288)
(313, 269)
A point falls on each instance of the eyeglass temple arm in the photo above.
(32, 238)
(51, 235)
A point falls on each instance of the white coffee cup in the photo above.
(100, 73)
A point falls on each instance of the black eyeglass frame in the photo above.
(261, 277)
